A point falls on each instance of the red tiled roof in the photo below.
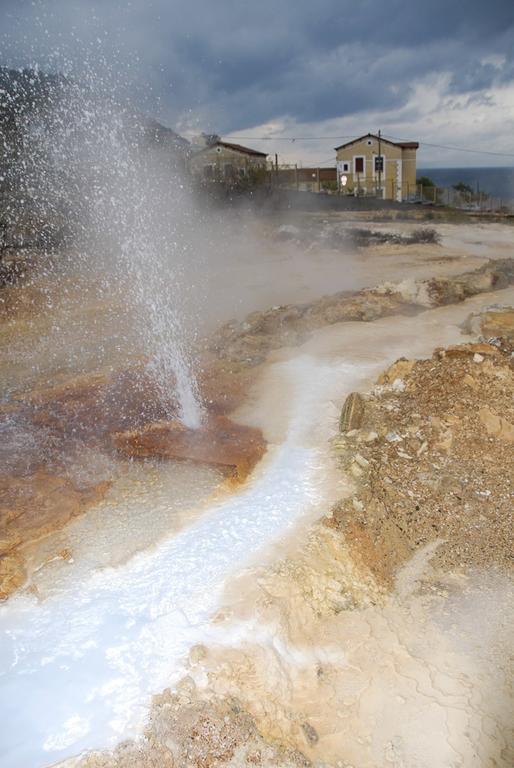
(240, 148)
(234, 147)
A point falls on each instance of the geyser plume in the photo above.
(104, 184)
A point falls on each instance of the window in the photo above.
(241, 172)
(359, 165)
(207, 171)
(370, 142)
(346, 167)
(379, 163)
(228, 170)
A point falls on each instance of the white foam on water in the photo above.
(78, 669)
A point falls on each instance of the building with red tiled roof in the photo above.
(224, 161)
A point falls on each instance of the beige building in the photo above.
(223, 161)
(372, 165)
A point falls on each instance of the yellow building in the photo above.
(372, 165)
(224, 161)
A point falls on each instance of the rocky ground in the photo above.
(61, 444)
(349, 637)
(431, 455)
(112, 411)
(358, 633)
(185, 730)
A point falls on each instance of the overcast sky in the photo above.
(437, 71)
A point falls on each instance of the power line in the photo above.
(459, 149)
(289, 138)
(292, 139)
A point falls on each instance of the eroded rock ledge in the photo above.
(251, 339)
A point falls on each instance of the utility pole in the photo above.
(379, 163)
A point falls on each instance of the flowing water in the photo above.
(79, 666)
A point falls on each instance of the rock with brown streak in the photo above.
(222, 443)
(32, 506)
(467, 350)
(12, 574)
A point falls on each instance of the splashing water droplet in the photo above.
(106, 182)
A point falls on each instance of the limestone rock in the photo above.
(497, 426)
(467, 350)
(498, 322)
(361, 461)
(398, 370)
(352, 414)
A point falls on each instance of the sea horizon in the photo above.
(496, 181)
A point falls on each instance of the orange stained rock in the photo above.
(232, 447)
(32, 506)
(39, 502)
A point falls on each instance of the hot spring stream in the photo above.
(78, 668)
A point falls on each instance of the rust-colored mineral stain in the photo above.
(221, 443)
(32, 506)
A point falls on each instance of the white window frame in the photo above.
(375, 173)
(345, 166)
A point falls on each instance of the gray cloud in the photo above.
(238, 63)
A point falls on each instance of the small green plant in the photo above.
(464, 189)
(425, 181)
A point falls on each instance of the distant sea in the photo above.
(497, 182)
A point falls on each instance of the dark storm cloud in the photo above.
(242, 63)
